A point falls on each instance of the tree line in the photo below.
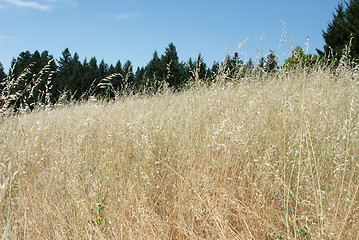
(69, 74)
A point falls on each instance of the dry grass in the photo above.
(274, 157)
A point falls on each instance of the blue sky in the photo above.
(132, 30)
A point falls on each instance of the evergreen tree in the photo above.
(32, 76)
(2, 72)
(140, 78)
(45, 63)
(190, 69)
(97, 82)
(103, 69)
(77, 84)
(117, 81)
(196, 69)
(201, 67)
(2, 79)
(345, 25)
(129, 78)
(249, 66)
(233, 65)
(190, 66)
(272, 64)
(261, 64)
(353, 22)
(174, 72)
(214, 70)
(298, 59)
(71, 75)
(20, 63)
(91, 74)
(93, 70)
(269, 63)
(233, 62)
(64, 73)
(154, 71)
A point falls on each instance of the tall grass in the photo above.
(263, 157)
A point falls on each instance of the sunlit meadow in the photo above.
(267, 156)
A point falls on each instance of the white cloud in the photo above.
(42, 5)
(29, 4)
(127, 16)
(72, 3)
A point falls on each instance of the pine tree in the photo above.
(352, 14)
(32, 76)
(129, 78)
(103, 69)
(154, 72)
(201, 67)
(269, 63)
(261, 64)
(233, 65)
(46, 67)
(214, 70)
(117, 81)
(174, 72)
(77, 84)
(343, 28)
(249, 67)
(21, 62)
(94, 82)
(190, 69)
(2, 72)
(91, 74)
(64, 73)
(71, 75)
(272, 64)
(2, 78)
(298, 59)
(196, 69)
(140, 78)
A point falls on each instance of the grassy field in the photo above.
(264, 157)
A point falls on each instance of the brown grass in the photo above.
(270, 157)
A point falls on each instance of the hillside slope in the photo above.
(270, 157)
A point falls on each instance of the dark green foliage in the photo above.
(79, 79)
(103, 69)
(71, 75)
(173, 71)
(353, 25)
(91, 75)
(269, 63)
(140, 78)
(71, 79)
(201, 67)
(31, 77)
(117, 82)
(343, 29)
(196, 69)
(190, 69)
(154, 72)
(92, 70)
(298, 59)
(165, 69)
(214, 70)
(2, 73)
(74, 80)
(233, 66)
(249, 68)
(129, 78)
(2, 77)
